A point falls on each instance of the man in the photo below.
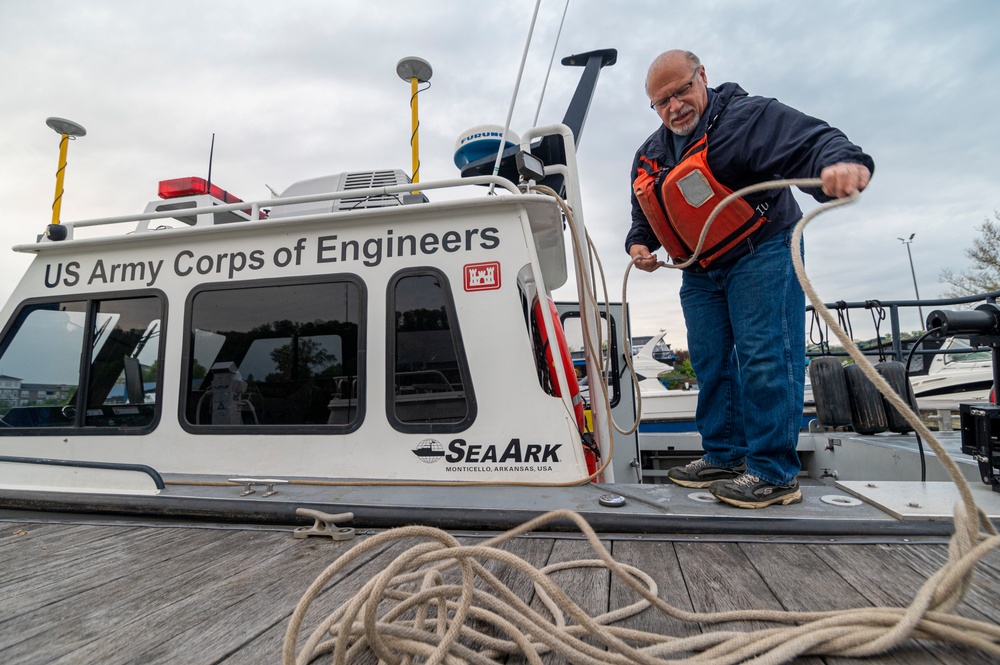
(744, 308)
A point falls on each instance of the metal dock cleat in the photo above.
(324, 525)
(250, 483)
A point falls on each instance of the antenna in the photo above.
(211, 154)
(545, 83)
(513, 97)
(68, 129)
(415, 70)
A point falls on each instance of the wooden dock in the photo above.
(79, 590)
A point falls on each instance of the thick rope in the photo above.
(411, 611)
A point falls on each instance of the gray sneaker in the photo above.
(700, 474)
(749, 491)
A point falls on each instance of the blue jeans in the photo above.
(746, 335)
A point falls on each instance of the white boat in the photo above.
(668, 404)
(962, 376)
(346, 329)
(211, 356)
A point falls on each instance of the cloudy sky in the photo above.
(302, 88)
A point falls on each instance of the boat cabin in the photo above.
(360, 332)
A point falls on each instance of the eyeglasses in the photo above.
(661, 104)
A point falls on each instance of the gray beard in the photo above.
(686, 130)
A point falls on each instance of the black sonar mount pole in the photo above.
(980, 422)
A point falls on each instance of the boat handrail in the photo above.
(989, 296)
(893, 307)
(255, 206)
(88, 464)
(601, 420)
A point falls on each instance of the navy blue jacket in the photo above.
(752, 140)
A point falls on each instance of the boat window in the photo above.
(429, 389)
(123, 365)
(573, 329)
(40, 364)
(970, 357)
(278, 356)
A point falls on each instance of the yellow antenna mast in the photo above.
(68, 129)
(416, 71)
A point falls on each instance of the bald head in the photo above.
(669, 61)
(678, 90)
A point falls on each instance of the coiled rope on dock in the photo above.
(415, 610)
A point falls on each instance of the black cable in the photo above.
(413, 134)
(878, 316)
(844, 317)
(823, 344)
(909, 357)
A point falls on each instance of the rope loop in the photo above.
(823, 344)
(878, 316)
(844, 317)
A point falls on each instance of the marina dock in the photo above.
(96, 589)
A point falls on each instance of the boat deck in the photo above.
(99, 590)
(830, 507)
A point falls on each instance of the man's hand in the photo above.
(844, 179)
(644, 259)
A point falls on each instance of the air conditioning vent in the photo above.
(366, 179)
(342, 182)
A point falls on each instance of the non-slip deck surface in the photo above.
(91, 593)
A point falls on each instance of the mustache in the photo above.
(687, 108)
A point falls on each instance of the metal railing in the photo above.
(894, 347)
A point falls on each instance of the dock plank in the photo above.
(719, 579)
(803, 581)
(587, 587)
(153, 577)
(204, 576)
(533, 551)
(659, 561)
(34, 546)
(253, 618)
(886, 579)
(266, 647)
(50, 575)
(47, 533)
(927, 560)
(168, 595)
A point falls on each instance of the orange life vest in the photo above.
(678, 201)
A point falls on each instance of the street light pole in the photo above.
(913, 273)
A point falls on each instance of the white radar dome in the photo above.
(481, 141)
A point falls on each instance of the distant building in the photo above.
(10, 390)
(15, 393)
(42, 393)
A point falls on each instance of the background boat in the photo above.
(669, 399)
(963, 375)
